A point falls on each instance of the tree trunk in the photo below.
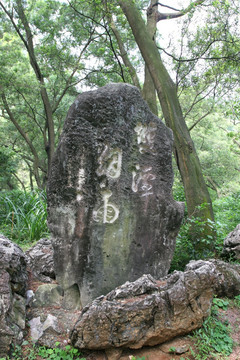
(197, 196)
(123, 53)
(149, 91)
(50, 144)
(26, 138)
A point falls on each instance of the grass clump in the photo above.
(23, 216)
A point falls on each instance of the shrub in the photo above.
(227, 215)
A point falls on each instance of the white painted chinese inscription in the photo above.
(80, 183)
(110, 162)
(145, 137)
(143, 177)
(108, 212)
(142, 181)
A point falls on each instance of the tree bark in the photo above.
(149, 91)
(197, 196)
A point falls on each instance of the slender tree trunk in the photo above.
(50, 144)
(26, 138)
(123, 53)
(149, 91)
(197, 196)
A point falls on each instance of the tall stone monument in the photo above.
(111, 211)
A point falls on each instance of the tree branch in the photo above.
(25, 137)
(68, 81)
(165, 16)
(166, 6)
(235, 57)
(108, 33)
(123, 52)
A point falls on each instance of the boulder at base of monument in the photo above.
(111, 211)
(231, 248)
(13, 282)
(40, 260)
(148, 312)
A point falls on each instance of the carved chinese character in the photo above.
(145, 137)
(110, 162)
(108, 213)
(142, 181)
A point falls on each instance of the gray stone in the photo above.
(71, 299)
(231, 248)
(111, 211)
(36, 329)
(229, 284)
(48, 295)
(13, 282)
(29, 297)
(40, 329)
(148, 312)
(40, 260)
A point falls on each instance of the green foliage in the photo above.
(8, 166)
(137, 358)
(31, 352)
(23, 216)
(213, 337)
(227, 215)
(220, 304)
(16, 354)
(172, 349)
(236, 301)
(189, 247)
(68, 353)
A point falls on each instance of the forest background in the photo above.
(53, 50)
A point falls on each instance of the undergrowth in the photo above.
(23, 216)
(227, 215)
(213, 340)
(33, 352)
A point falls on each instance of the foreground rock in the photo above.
(231, 249)
(148, 312)
(111, 211)
(13, 281)
(40, 260)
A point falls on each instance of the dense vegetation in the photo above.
(23, 216)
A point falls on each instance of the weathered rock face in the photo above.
(232, 244)
(148, 311)
(40, 260)
(13, 282)
(111, 211)
(230, 277)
